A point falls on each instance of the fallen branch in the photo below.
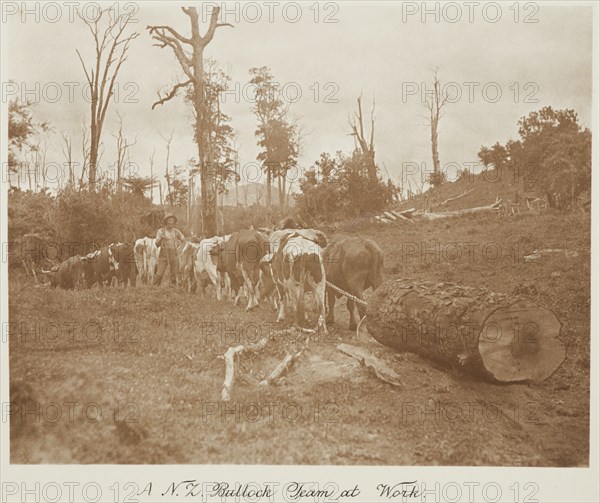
(230, 354)
(400, 215)
(280, 369)
(366, 359)
(230, 368)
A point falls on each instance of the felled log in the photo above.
(445, 214)
(450, 199)
(496, 335)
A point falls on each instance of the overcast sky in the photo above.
(377, 49)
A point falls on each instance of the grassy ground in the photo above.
(155, 371)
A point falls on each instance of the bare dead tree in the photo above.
(85, 152)
(358, 132)
(28, 168)
(192, 64)
(111, 45)
(168, 140)
(245, 189)
(32, 157)
(67, 150)
(435, 102)
(123, 145)
(236, 166)
(152, 174)
(43, 168)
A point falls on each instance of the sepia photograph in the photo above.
(298, 234)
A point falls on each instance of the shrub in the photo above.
(341, 187)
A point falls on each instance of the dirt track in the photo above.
(157, 379)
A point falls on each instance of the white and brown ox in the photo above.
(146, 258)
(295, 265)
(205, 266)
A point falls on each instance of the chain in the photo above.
(349, 295)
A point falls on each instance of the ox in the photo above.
(268, 287)
(205, 265)
(239, 257)
(295, 265)
(185, 254)
(68, 274)
(100, 266)
(146, 258)
(124, 257)
(352, 264)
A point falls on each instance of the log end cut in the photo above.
(520, 342)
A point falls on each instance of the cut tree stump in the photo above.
(496, 335)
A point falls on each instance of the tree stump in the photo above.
(498, 335)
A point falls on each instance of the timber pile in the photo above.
(491, 334)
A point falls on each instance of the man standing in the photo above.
(168, 239)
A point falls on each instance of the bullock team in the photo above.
(273, 266)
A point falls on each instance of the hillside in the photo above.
(481, 189)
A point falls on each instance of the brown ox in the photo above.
(352, 264)
(240, 257)
(68, 274)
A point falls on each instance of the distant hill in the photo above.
(252, 193)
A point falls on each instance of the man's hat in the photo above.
(169, 215)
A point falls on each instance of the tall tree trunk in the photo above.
(93, 160)
(269, 181)
(280, 189)
(434, 149)
(237, 188)
(435, 104)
